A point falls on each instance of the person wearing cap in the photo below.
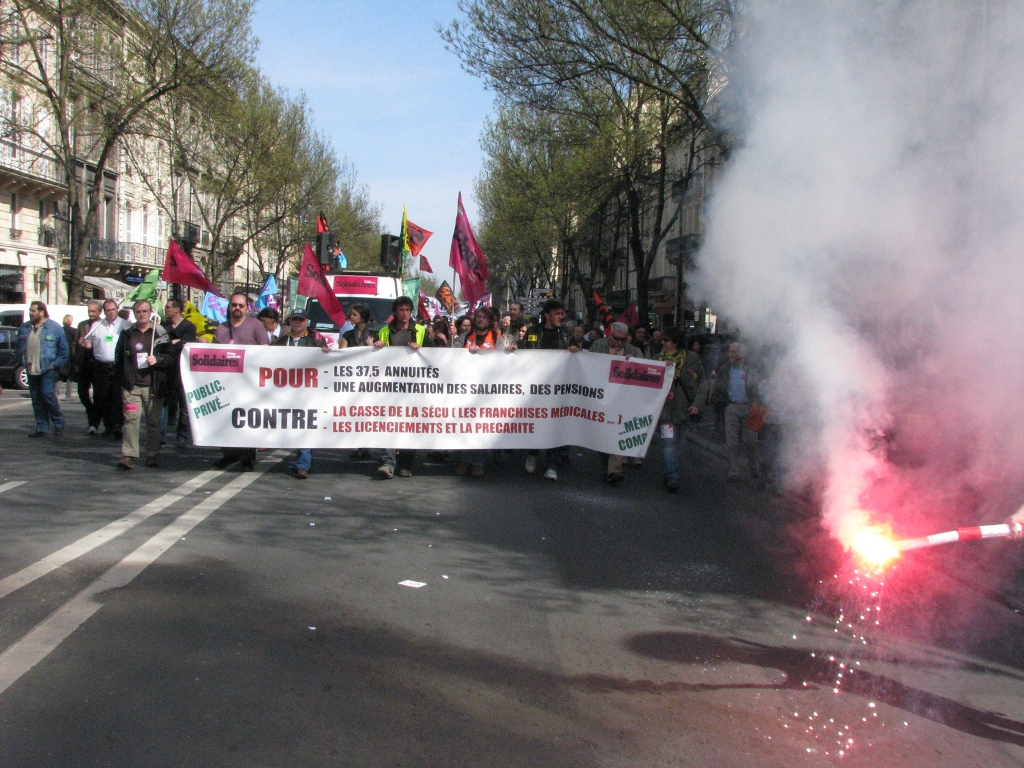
(301, 335)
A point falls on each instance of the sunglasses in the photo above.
(239, 305)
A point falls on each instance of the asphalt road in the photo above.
(188, 617)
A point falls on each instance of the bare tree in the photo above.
(93, 69)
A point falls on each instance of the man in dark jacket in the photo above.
(68, 373)
(175, 414)
(142, 358)
(687, 394)
(42, 350)
(549, 333)
(301, 335)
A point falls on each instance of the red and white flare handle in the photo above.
(973, 533)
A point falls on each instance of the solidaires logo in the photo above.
(636, 374)
(216, 360)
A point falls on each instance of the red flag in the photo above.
(604, 314)
(418, 237)
(425, 265)
(630, 316)
(321, 224)
(313, 283)
(467, 259)
(180, 269)
(421, 308)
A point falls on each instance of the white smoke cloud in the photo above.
(871, 224)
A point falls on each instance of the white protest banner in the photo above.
(396, 397)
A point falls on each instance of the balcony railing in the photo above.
(28, 161)
(15, 234)
(126, 253)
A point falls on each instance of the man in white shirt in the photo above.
(102, 340)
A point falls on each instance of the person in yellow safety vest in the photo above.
(402, 331)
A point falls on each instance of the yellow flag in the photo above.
(204, 326)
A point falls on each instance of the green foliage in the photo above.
(597, 99)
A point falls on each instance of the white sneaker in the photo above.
(551, 474)
(92, 431)
(531, 464)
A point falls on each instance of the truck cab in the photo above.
(374, 290)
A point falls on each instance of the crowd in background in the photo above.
(126, 372)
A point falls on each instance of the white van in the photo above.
(13, 315)
(375, 291)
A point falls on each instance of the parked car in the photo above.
(10, 370)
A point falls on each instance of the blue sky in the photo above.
(390, 98)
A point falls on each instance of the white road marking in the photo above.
(61, 557)
(41, 641)
(18, 404)
(12, 484)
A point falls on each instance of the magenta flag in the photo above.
(313, 283)
(467, 259)
(180, 269)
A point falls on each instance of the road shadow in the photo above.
(800, 666)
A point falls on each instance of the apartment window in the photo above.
(160, 226)
(42, 212)
(15, 118)
(14, 49)
(110, 218)
(14, 210)
(128, 222)
(145, 224)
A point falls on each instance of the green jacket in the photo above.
(309, 339)
(689, 387)
(419, 331)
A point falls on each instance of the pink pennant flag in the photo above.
(181, 270)
(467, 259)
(313, 283)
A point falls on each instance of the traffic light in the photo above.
(390, 252)
(325, 248)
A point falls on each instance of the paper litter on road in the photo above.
(312, 523)
(327, 498)
(411, 583)
(444, 577)
(313, 628)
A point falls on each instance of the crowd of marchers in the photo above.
(125, 370)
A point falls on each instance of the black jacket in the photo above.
(124, 362)
(535, 333)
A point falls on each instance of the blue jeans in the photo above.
(305, 459)
(392, 458)
(45, 407)
(175, 416)
(670, 447)
(476, 458)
